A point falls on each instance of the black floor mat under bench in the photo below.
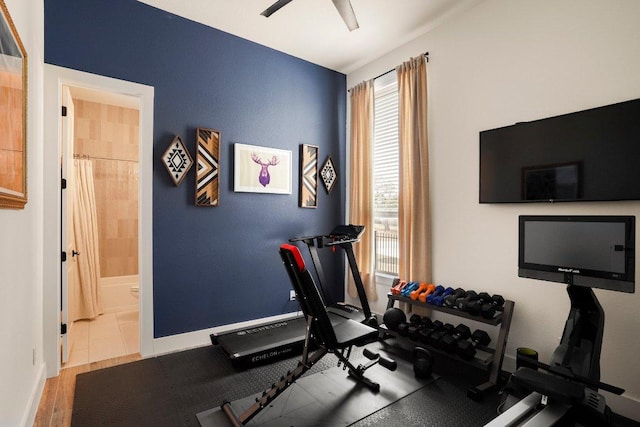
(167, 390)
(328, 398)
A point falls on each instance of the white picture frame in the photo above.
(260, 169)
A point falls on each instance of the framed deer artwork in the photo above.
(261, 170)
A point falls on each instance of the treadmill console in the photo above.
(347, 232)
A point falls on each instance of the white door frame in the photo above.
(54, 78)
(67, 137)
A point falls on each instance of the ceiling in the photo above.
(314, 31)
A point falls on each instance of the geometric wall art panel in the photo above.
(207, 167)
(177, 160)
(328, 174)
(308, 176)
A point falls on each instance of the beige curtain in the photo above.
(85, 229)
(360, 176)
(414, 215)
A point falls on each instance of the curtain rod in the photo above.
(87, 157)
(393, 69)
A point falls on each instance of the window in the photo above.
(385, 173)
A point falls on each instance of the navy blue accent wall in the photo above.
(214, 266)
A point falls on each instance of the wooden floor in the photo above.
(56, 403)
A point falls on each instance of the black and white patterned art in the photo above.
(177, 160)
(328, 174)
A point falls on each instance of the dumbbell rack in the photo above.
(494, 363)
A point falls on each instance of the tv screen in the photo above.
(589, 155)
(591, 251)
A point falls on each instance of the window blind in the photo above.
(385, 151)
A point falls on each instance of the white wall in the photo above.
(501, 62)
(21, 248)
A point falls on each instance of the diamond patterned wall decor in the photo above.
(177, 160)
(328, 174)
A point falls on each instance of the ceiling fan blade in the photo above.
(346, 11)
(275, 7)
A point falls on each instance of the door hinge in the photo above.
(64, 256)
(64, 111)
(63, 328)
(63, 183)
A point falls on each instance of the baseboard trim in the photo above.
(29, 417)
(180, 342)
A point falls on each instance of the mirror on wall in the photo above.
(13, 115)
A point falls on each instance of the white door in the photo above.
(69, 266)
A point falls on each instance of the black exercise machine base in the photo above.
(263, 344)
(269, 342)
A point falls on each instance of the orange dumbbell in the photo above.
(421, 288)
(423, 296)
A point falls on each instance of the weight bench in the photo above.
(337, 337)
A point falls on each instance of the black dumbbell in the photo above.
(417, 323)
(430, 327)
(435, 339)
(435, 334)
(490, 308)
(469, 303)
(449, 341)
(413, 325)
(484, 297)
(423, 327)
(415, 319)
(466, 349)
(450, 300)
(412, 331)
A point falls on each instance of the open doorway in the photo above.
(101, 216)
(56, 318)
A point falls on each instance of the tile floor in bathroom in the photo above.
(110, 335)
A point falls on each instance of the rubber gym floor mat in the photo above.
(442, 403)
(169, 390)
(327, 398)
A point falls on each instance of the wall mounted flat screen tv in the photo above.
(589, 155)
(591, 251)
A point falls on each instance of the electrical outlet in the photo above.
(292, 295)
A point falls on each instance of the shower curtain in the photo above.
(85, 230)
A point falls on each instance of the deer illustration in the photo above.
(264, 176)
